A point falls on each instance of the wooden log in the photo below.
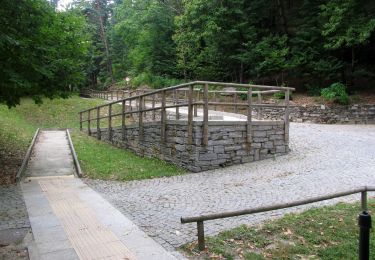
(205, 115)
(190, 115)
(123, 123)
(249, 116)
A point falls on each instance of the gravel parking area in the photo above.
(323, 159)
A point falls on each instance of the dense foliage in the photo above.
(42, 52)
(308, 44)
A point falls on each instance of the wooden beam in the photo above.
(190, 115)
(89, 122)
(123, 122)
(249, 116)
(98, 133)
(205, 115)
(140, 119)
(163, 117)
(286, 119)
(110, 122)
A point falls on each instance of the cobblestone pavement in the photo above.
(324, 159)
(13, 213)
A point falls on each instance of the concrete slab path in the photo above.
(69, 220)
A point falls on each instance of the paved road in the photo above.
(324, 159)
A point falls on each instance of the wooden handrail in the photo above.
(190, 102)
(199, 219)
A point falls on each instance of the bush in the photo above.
(281, 95)
(336, 93)
(147, 79)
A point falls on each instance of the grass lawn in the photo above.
(98, 159)
(319, 233)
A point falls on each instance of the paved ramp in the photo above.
(71, 221)
(51, 155)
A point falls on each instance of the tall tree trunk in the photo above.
(352, 67)
(280, 8)
(104, 40)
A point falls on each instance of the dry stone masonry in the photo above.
(226, 143)
(324, 114)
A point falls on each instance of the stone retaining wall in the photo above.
(352, 114)
(226, 144)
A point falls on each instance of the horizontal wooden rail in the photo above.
(201, 218)
(197, 94)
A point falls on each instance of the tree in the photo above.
(347, 24)
(41, 51)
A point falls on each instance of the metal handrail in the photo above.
(201, 218)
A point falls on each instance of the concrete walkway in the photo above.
(69, 220)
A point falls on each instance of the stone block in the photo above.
(207, 156)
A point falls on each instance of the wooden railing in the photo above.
(201, 218)
(195, 95)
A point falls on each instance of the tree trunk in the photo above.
(281, 10)
(352, 67)
(104, 40)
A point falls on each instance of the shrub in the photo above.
(281, 95)
(336, 93)
(147, 79)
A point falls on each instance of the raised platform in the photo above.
(227, 143)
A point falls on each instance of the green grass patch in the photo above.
(98, 159)
(319, 233)
(104, 161)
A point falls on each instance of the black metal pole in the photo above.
(364, 222)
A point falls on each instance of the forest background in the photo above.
(306, 44)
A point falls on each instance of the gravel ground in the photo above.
(14, 223)
(324, 159)
(13, 213)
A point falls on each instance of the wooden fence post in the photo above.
(153, 107)
(176, 97)
(260, 110)
(249, 116)
(235, 102)
(110, 122)
(196, 99)
(98, 133)
(163, 117)
(205, 115)
(190, 115)
(286, 120)
(80, 121)
(89, 122)
(140, 118)
(123, 123)
(215, 100)
(130, 101)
